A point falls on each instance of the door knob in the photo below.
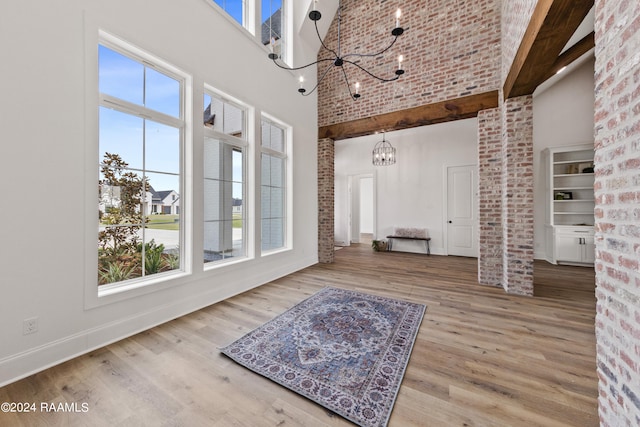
(450, 222)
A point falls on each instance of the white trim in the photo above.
(245, 145)
(95, 295)
(21, 365)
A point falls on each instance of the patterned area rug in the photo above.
(345, 350)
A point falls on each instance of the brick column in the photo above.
(490, 197)
(617, 212)
(517, 195)
(326, 178)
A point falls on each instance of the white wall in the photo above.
(366, 204)
(409, 193)
(562, 115)
(48, 113)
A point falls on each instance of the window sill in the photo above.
(108, 294)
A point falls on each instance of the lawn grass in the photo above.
(168, 222)
(163, 222)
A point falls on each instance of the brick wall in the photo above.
(326, 179)
(517, 195)
(490, 197)
(617, 192)
(515, 19)
(451, 49)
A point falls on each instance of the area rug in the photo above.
(345, 350)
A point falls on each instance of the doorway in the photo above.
(362, 212)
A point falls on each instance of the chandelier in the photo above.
(383, 153)
(339, 60)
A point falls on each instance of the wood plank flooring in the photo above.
(481, 358)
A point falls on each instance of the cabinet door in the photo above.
(568, 248)
(589, 250)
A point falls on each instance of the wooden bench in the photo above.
(426, 241)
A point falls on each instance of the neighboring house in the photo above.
(155, 202)
(162, 202)
(237, 206)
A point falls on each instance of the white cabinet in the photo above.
(570, 204)
(574, 245)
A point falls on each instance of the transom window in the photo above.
(141, 139)
(225, 210)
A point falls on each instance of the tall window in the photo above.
(225, 142)
(141, 126)
(235, 8)
(273, 185)
(273, 25)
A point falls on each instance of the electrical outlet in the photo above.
(30, 326)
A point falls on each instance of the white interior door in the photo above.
(461, 215)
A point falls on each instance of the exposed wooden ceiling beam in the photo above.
(573, 53)
(550, 28)
(439, 112)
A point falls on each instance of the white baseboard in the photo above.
(21, 365)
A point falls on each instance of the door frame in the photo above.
(445, 205)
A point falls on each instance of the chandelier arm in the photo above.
(284, 67)
(322, 41)
(346, 80)
(319, 81)
(367, 55)
(373, 75)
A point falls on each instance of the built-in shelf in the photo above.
(569, 215)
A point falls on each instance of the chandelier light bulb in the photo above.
(335, 58)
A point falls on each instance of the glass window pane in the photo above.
(208, 116)
(162, 148)
(235, 8)
(212, 158)
(277, 205)
(163, 194)
(266, 134)
(265, 235)
(121, 134)
(277, 139)
(272, 25)
(120, 76)
(277, 172)
(265, 210)
(213, 200)
(162, 93)
(266, 169)
(237, 172)
(233, 121)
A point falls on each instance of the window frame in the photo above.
(243, 143)
(286, 155)
(97, 295)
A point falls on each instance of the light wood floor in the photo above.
(482, 358)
